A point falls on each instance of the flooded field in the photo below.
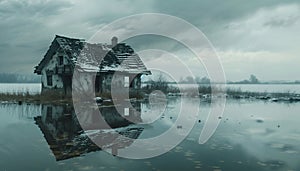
(252, 135)
(34, 88)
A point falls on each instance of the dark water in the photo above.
(251, 136)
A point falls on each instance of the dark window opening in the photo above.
(60, 60)
(49, 80)
(131, 83)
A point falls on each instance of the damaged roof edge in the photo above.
(65, 37)
(73, 47)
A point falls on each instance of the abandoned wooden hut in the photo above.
(65, 54)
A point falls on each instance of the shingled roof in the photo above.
(95, 57)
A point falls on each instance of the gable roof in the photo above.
(94, 57)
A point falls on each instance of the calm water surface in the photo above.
(252, 136)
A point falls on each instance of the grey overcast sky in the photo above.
(258, 37)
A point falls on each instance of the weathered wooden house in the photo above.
(116, 60)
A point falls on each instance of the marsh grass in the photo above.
(202, 92)
(49, 97)
(205, 91)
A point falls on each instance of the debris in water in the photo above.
(259, 120)
(98, 99)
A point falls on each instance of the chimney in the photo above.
(114, 41)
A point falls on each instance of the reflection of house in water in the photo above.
(67, 139)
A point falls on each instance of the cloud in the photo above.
(265, 64)
(267, 29)
(264, 43)
(210, 15)
(32, 8)
(262, 32)
(27, 27)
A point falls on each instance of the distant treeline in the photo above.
(18, 78)
(254, 80)
(251, 80)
